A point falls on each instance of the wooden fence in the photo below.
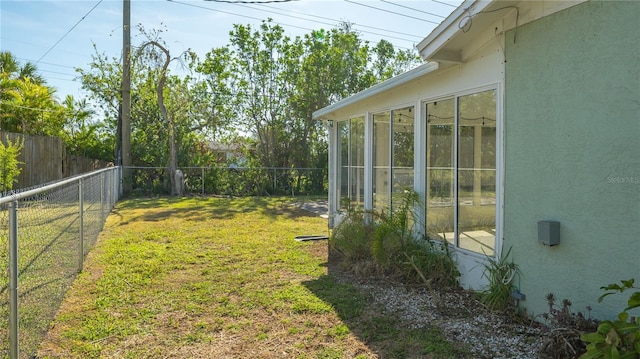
(44, 159)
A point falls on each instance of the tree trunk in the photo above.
(172, 167)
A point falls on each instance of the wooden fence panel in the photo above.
(44, 159)
(75, 165)
(41, 158)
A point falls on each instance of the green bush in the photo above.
(9, 164)
(388, 239)
(352, 237)
(500, 273)
(619, 338)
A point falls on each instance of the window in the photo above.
(351, 162)
(356, 162)
(461, 171)
(393, 154)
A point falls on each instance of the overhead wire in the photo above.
(413, 9)
(392, 12)
(250, 1)
(321, 22)
(259, 19)
(46, 63)
(28, 108)
(355, 24)
(443, 3)
(69, 31)
(235, 14)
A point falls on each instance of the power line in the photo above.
(234, 14)
(258, 19)
(250, 2)
(413, 9)
(57, 72)
(392, 12)
(320, 22)
(28, 108)
(67, 33)
(444, 3)
(355, 24)
(46, 63)
(61, 79)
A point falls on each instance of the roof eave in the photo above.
(449, 28)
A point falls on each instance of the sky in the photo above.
(59, 36)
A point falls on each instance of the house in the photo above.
(524, 112)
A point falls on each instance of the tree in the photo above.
(217, 94)
(83, 135)
(262, 71)
(27, 104)
(389, 62)
(263, 85)
(156, 51)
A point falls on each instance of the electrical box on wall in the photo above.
(549, 233)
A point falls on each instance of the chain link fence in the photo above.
(45, 233)
(233, 181)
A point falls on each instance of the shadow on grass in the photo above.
(382, 332)
(158, 209)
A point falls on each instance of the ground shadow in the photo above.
(380, 331)
(158, 209)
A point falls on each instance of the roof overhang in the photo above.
(448, 40)
(379, 88)
(476, 21)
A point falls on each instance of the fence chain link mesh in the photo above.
(49, 247)
(234, 181)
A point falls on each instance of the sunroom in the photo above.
(437, 130)
(525, 105)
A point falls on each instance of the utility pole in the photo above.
(126, 95)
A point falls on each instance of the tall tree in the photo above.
(262, 71)
(27, 105)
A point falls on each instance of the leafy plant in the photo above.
(9, 164)
(352, 237)
(619, 338)
(387, 242)
(393, 231)
(563, 317)
(500, 273)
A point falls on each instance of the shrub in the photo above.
(352, 237)
(9, 164)
(388, 240)
(565, 327)
(619, 338)
(500, 273)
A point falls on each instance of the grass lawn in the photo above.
(222, 278)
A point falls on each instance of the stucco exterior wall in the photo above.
(572, 152)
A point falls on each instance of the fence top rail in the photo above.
(228, 168)
(29, 193)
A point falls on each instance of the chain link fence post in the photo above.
(13, 280)
(81, 233)
(202, 173)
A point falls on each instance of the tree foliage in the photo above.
(259, 91)
(9, 164)
(29, 106)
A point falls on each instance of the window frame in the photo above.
(499, 161)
